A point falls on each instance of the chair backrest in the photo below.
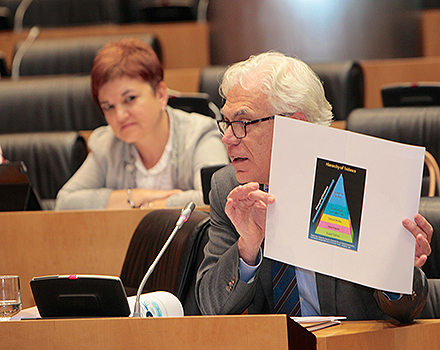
(412, 125)
(4, 70)
(173, 10)
(51, 158)
(176, 270)
(432, 305)
(62, 13)
(434, 174)
(343, 83)
(195, 103)
(430, 208)
(52, 103)
(70, 55)
(210, 78)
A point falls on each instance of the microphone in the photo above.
(184, 216)
(202, 9)
(27, 43)
(19, 14)
(186, 213)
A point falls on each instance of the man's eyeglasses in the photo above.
(239, 126)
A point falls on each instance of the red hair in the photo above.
(126, 57)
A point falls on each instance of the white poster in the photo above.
(340, 198)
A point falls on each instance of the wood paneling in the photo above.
(184, 45)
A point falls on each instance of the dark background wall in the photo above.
(315, 30)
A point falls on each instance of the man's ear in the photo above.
(299, 116)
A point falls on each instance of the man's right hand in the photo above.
(246, 207)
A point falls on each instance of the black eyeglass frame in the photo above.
(245, 123)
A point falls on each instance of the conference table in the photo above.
(95, 242)
(215, 332)
(50, 242)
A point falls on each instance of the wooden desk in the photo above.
(64, 242)
(253, 332)
(378, 73)
(184, 333)
(42, 243)
(430, 25)
(422, 334)
(184, 44)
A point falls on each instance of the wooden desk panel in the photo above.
(422, 334)
(64, 242)
(378, 73)
(183, 79)
(184, 44)
(253, 332)
(187, 333)
(430, 25)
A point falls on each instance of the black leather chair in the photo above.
(69, 55)
(432, 305)
(51, 158)
(195, 103)
(430, 209)
(210, 79)
(4, 70)
(173, 11)
(412, 125)
(176, 270)
(343, 83)
(62, 13)
(52, 103)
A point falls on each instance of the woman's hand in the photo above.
(140, 197)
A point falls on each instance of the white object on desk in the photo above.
(155, 304)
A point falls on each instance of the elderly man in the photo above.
(234, 275)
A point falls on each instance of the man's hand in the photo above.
(422, 230)
(246, 207)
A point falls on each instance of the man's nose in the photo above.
(229, 137)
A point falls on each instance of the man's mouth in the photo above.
(237, 159)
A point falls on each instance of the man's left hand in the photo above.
(422, 230)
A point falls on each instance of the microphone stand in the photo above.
(184, 216)
(27, 43)
(19, 14)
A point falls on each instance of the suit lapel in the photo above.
(326, 286)
(266, 275)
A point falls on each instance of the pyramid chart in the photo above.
(335, 220)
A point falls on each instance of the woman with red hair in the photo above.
(149, 155)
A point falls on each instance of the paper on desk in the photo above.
(340, 201)
(315, 323)
(31, 312)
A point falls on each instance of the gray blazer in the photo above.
(219, 289)
(110, 164)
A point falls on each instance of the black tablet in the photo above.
(16, 191)
(80, 296)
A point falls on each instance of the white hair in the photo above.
(289, 83)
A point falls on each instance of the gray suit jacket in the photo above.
(219, 289)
